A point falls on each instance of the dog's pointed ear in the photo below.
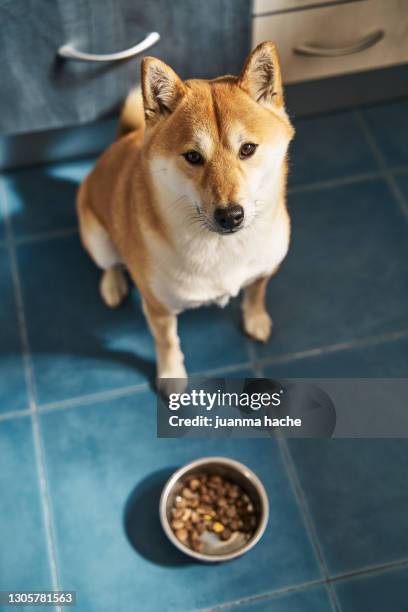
(261, 76)
(162, 89)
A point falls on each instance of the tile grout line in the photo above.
(347, 180)
(377, 153)
(385, 173)
(18, 297)
(308, 521)
(336, 182)
(15, 414)
(255, 364)
(131, 390)
(370, 570)
(30, 386)
(300, 499)
(223, 369)
(358, 574)
(44, 489)
(93, 397)
(399, 170)
(58, 233)
(251, 349)
(334, 348)
(236, 603)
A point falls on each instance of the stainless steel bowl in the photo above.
(215, 549)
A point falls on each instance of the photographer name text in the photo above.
(220, 422)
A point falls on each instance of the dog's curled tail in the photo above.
(132, 115)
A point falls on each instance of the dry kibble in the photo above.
(233, 493)
(180, 502)
(193, 503)
(222, 514)
(197, 545)
(187, 493)
(194, 484)
(186, 515)
(216, 479)
(231, 511)
(205, 509)
(225, 534)
(221, 502)
(213, 495)
(182, 535)
(208, 502)
(177, 512)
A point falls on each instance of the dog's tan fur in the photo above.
(144, 206)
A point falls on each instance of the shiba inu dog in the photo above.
(191, 199)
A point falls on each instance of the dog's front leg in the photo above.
(257, 322)
(171, 373)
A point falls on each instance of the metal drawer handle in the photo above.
(69, 52)
(363, 44)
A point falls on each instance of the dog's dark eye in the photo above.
(247, 149)
(193, 157)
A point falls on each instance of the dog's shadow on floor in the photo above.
(60, 286)
(142, 526)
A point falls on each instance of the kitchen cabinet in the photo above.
(40, 91)
(330, 39)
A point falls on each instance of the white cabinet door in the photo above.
(337, 39)
(272, 6)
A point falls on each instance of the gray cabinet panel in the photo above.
(38, 91)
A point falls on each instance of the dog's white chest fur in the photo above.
(207, 267)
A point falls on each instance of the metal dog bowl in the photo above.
(213, 548)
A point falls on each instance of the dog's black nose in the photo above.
(229, 217)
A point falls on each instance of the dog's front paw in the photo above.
(258, 326)
(167, 386)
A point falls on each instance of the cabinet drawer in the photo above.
(275, 6)
(337, 39)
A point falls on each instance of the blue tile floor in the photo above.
(81, 467)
